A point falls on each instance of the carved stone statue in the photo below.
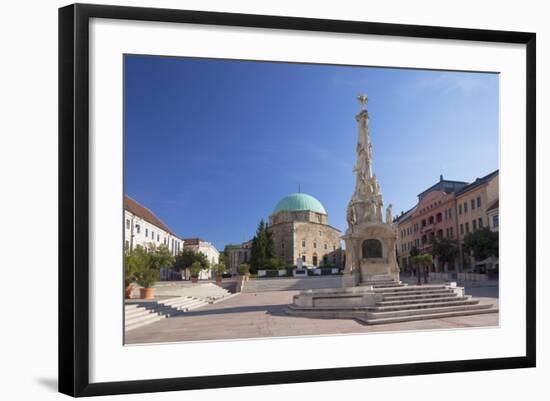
(351, 215)
(389, 218)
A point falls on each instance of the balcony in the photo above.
(427, 228)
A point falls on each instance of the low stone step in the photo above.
(430, 294)
(413, 288)
(390, 295)
(141, 318)
(141, 323)
(422, 311)
(137, 311)
(182, 304)
(423, 305)
(388, 286)
(423, 300)
(426, 316)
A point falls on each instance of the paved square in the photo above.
(262, 315)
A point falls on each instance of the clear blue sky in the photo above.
(212, 145)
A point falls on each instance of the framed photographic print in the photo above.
(278, 199)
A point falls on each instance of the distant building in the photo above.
(143, 227)
(447, 209)
(300, 229)
(237, 255)
(204, 247)
(433, 216)
(473, 202)
(492, 215)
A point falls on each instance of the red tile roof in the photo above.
(141, 211)
(191, 241)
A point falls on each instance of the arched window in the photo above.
(372, 248)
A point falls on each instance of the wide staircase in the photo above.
(401, 303)
(173, 300)
(385, 300)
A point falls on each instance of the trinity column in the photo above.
(370, 242)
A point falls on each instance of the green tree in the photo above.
(186, 257)
(263, 248)
(219, 269)
(244, 269)
(196, 268)
(274, 264)
(422, 261)
(159, 257)
(140, 266)
(482, 243)
(445, 250)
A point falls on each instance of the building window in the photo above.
(315, 244)
(158, 237)
(451, 232)
(465, 207)
(495, 221)
(303, 244)
(479, 201)
(303, 258)
(326, 246)
(138, 228)
(146, 232)
(431, 220)
(473, 202)
(450, 213)
(462, 229)
(334, 247)
(460, 209)
(474, 225)
(283, 245)
(480, 222)
(467, 227)
(127, 224)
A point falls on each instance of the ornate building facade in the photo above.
(300, 229)
(450, 210)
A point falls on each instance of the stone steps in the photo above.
(465, 306)
(426, 316)
(422, 300)
(141, 314)
(422, 295)
(422, 305)
(413, 294)
(411, 288)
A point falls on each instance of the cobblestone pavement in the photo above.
(262, 315)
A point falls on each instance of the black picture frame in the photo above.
(74, 198)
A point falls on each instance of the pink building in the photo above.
(433, 216)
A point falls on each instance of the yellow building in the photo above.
(472, 207)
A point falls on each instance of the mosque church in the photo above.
(300, 230)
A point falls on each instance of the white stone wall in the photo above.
(145, 233)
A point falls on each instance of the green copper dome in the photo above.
(299, 201)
